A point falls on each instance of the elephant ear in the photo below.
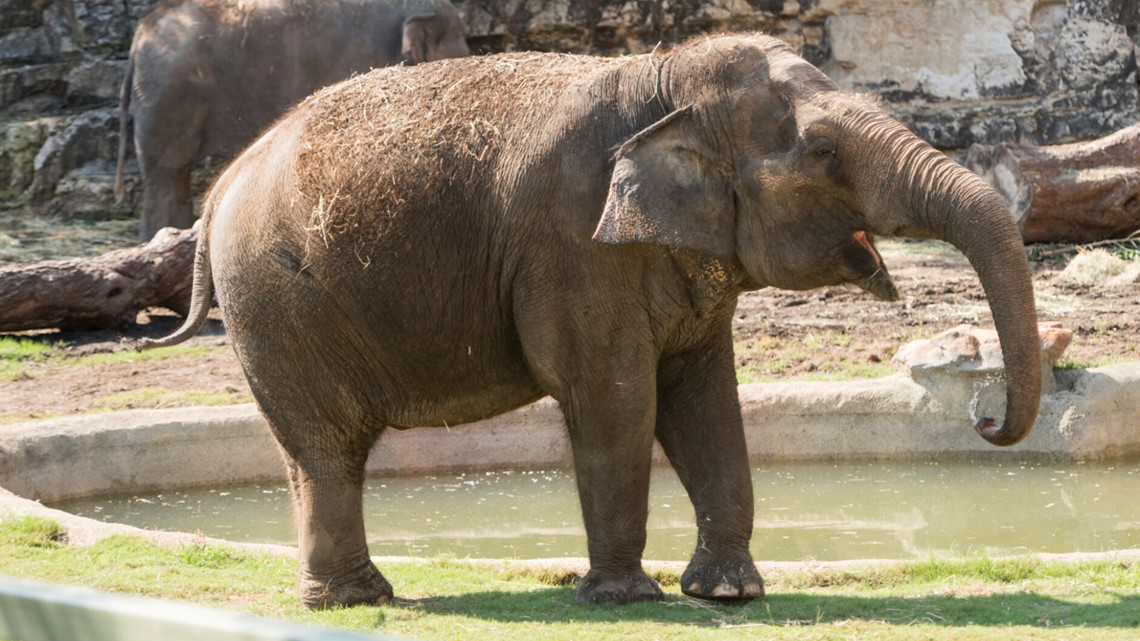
(414, 47)
(667, 190)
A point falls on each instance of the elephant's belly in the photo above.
(457, 378)
(447, 408)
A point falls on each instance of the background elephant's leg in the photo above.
(167, 200)
(699, 426)
(168, 142)
(612, 437)
(326, 484)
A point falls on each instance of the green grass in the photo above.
(763, 366)
(1060, 254)
(973, 598)
(12, 348)
(843, 371)
(26, 358)
(1066, 363)
(31, 532)
(17, 354)
(161, 397)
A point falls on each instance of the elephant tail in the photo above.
(201, 296)
(124, 118)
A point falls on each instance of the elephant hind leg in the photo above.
(326, 482)
(336, 569)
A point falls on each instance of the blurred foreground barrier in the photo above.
(32, 611)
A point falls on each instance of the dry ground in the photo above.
(831, 333)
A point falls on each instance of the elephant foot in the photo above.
(728, 579)
(365, 586)
(619, 589)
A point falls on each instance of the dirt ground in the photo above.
(831, 333)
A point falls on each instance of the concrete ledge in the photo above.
(1092, 414)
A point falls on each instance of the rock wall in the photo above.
(956, 71)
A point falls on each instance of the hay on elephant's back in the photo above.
(378, 141)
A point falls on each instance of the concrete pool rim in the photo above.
(1090, 414)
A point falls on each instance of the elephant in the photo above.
(433, 248)
(206, 76)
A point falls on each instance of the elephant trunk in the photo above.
(919, 192)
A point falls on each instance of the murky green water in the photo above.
(803, 511)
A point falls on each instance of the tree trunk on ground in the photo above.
(1079, 193)
(101, 292)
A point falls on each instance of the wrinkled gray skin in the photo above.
(205, 77)
(585, 234)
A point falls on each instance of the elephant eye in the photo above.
(822, 149)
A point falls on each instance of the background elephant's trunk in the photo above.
(916, 191)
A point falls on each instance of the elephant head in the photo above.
(763, 160)
(433, 35)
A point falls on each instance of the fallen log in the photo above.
(102, 292)
(1075, 193)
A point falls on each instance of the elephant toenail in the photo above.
(724, 590)
(694, 588)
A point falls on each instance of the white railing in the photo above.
(33, 611)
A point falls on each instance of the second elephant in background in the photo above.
(206, 76)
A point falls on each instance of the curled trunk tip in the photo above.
(996, 434)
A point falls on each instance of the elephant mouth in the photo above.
(879, 282)
(880, 285)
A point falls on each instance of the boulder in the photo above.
(968, 349)
(960, 370)
(971, 355)
(75, 168)
(19, 143)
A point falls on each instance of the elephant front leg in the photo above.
(611, 431)
(700, 428)
(335, 566)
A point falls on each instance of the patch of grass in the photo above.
(847, 370)
(764, 358)
(24, 357)
(1060, 254)
(1066, 363)
(11, 418)
(31, 532)
(748, 374)
(214, 557)
(205, 574)
(29, 238)
(973, 598)
(15, 348)
(156, 397)
(16, 354)
(130, 356)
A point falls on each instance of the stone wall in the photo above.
(957, 71)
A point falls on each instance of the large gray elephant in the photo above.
(205, 77)
(432, 248)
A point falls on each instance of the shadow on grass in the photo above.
(557, 605)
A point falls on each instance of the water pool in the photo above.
(820, 511)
